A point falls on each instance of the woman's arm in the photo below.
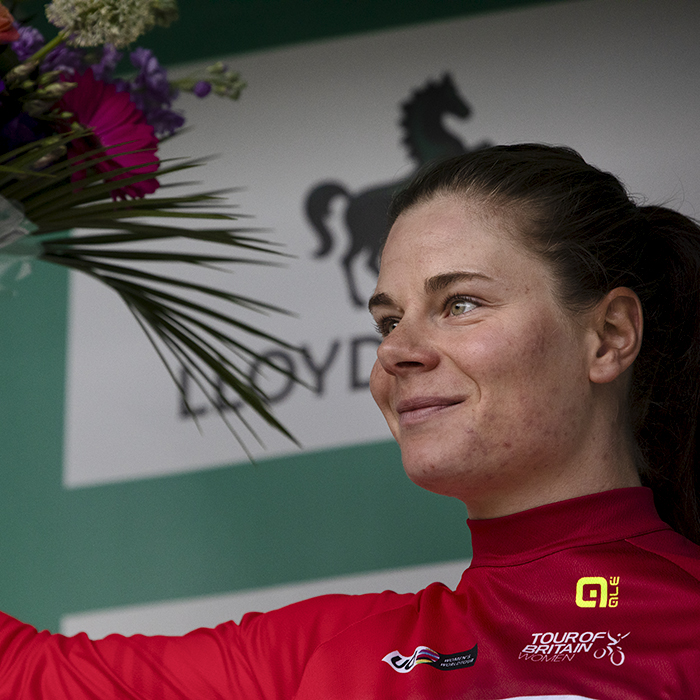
(263, 658)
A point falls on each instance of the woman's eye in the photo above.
(386, 325)
(460, 306)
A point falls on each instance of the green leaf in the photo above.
(211, 345)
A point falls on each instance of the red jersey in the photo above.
(593, 597)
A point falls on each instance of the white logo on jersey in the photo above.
(565, 646)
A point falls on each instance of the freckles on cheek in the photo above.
(519, 357)
(550, 421)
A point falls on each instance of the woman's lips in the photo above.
(422, 408)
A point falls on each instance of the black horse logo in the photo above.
(365, 215)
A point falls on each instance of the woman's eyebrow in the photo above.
(432, 285)
(439, 282)
(379, 299)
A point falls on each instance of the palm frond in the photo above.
(190, 325)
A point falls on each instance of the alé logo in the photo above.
(598, 592)
(365, 212)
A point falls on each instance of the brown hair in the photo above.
(582, 221)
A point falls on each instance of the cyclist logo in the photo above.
(612, 650)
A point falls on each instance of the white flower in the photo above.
(118, 22)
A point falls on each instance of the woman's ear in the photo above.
(618, 324)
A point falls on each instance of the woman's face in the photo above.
(481, 376)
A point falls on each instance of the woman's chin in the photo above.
(436, 476)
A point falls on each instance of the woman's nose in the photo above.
(407, 348)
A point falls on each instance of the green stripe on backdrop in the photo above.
(291, 519)
(210, 28)
(33, 358)
(299, 518)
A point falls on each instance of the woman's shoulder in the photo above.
(327, 614)
(679, 553)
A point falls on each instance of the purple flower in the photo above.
(152, 93)
(121, 85)
(62, 58)
(152, 77)
(65, 59)
(104, 69)
(164, 121)
(29, 42)
(202, 88)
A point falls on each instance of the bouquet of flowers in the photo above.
(79, 150)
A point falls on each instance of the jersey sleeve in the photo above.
(263, 657)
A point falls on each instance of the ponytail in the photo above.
(665, 394)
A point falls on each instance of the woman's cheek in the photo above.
(379, 385)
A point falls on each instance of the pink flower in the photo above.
(119, 127)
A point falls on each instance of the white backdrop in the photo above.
(615, 79)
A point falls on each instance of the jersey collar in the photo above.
(587, 520)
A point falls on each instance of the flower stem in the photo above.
(48, 47)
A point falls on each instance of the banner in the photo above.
(153, 507)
